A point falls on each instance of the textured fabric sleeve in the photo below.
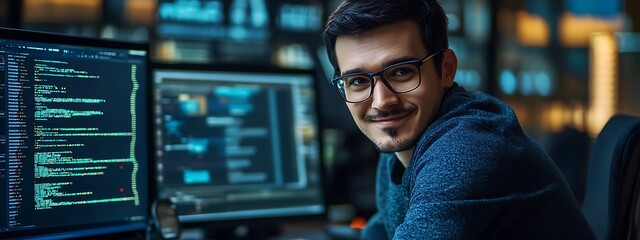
(468, 186)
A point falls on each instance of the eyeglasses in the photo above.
(400, 78)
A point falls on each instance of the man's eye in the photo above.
(358, 81)
(402, 71)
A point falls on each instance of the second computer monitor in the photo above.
(237, 143)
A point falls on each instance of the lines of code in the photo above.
(73, 148)
(51, 80)
(43, 71)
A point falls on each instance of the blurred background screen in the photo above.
(237, 144)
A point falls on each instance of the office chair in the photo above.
(611, 204)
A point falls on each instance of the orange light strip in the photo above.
(603, 81)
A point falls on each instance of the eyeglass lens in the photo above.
(401, 78)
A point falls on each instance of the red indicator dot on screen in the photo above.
(121, 189)
(121, 167)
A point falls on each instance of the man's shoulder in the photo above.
(466, 145)
(466, 142)
(468, 132)
(471, 120)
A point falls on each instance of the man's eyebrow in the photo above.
(386, 64)
(351, 71)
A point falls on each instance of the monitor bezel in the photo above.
(105, 230)
(216, 225)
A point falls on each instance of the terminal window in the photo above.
(73, 136)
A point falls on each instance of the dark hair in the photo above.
(356, 16)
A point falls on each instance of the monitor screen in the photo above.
(238, 31)
(239, 20)
(74, 138)
(235, 143)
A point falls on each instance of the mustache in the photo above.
(378, 114)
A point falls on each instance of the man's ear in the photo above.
(449, 67)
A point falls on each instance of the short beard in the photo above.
(400, 144)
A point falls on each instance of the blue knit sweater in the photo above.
(474, 174)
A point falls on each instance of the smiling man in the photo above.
(454, 164)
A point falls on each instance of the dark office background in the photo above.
(564, 66)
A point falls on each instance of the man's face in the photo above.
(393, 121)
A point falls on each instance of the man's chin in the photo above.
(395, 145)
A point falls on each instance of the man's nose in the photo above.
(382, 97)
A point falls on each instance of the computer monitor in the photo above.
(74, 136)
(237, 142)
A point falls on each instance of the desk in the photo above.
(317, 230)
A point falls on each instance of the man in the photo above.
(454, 164)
